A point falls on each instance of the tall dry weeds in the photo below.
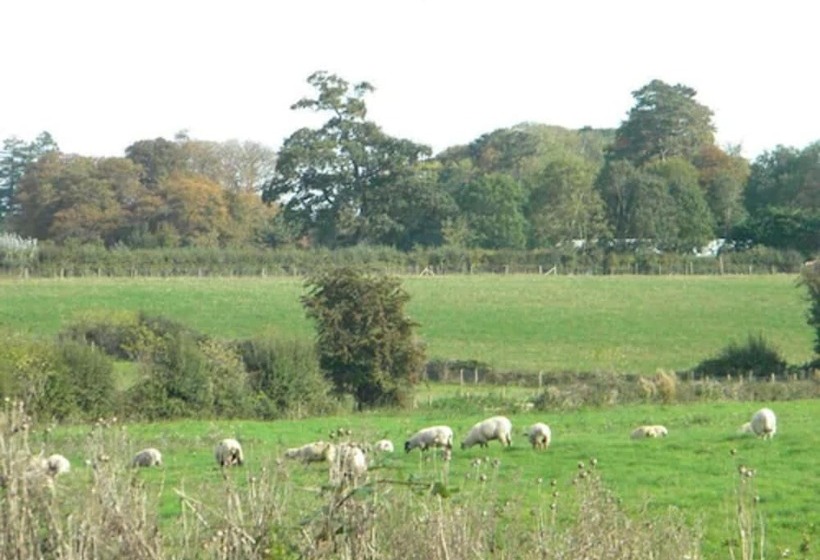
(106, 510)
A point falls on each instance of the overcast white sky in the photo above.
(100, 75)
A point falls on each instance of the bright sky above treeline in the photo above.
(100, 75)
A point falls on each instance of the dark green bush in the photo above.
(88, 378)
(756, 358)
(285, 375)
(186, 374)
(57, 380)
(113, 333)
(810, 278)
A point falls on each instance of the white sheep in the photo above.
(539, 435)
(56, 464)
(384, 446)
(764, 423)
(349, 465)
(50, 466)
(497, 427)
(318, 451)
(649, 432)
(228, 453)
(434, 436)
(149, 457)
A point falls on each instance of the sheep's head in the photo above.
(407, 446)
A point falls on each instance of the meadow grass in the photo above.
(530, 323)
(694, 470)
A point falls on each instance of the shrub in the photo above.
(88, 377)
(56, 380)
(367, 345)
(286, 374)
(184, 373)
(810, 278)
(115, 333)
(756, 358)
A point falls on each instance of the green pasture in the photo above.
(518, 322)
(693, 469)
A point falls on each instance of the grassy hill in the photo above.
(527, 323)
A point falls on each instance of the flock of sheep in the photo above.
(763, 424)
(348, 461)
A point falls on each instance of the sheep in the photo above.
(317, 451)
(649, 432)
(50, 467)
(349, 465)
(56, 464)
(434, 436)
(228, 453)
(539, 435)
(149, 457)
(384, 446)
(764, 423)
(497, 427)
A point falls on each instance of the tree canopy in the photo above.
(342, 183)
(658, 179)
(665, 121)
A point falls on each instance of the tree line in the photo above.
(659, 180)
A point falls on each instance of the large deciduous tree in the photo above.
(564, 205)
(666, 121)
(158, 158)
(693, 224)
(783, 200)
(722, 177)
(90, 200)
(366, 342)
(77, 198)
(492, 206)
(341, 183)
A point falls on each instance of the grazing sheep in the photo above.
(539, 435)
(764, 423)
(150, 457)
(435, 436)
(649, 432)
(315, 452)
(56, 464)
(497, 427)
(47, 467)
(349, 465)
(228, 453)
(383, 445)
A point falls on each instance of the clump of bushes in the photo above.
(181, 373)
(285, 377)
(57, 380)
(756, 358)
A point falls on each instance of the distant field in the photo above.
(527, 323)
(693, 469)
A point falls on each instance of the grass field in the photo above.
(692, 470)
(527, 323)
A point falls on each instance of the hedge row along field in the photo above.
(512, 323)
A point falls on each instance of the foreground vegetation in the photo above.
(512, 323)
(665, 492)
